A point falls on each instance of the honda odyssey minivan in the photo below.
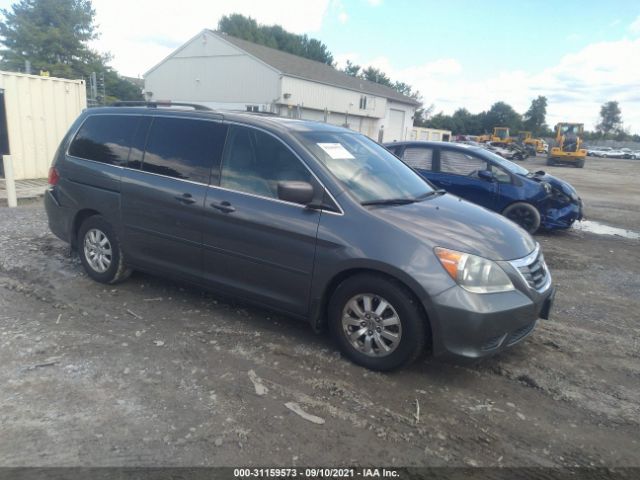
(315, 221)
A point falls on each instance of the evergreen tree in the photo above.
(53, 36)
(275, 36)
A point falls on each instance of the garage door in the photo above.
(395, 129)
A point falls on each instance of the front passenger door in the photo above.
(458, 174)
(256, 245)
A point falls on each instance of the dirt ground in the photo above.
(153, 372)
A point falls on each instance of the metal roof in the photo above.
(295, 66)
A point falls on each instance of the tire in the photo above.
(348, 303)
(525, 215)
(580, 164)
(96, 236)
(551, 161)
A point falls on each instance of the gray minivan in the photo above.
(315, 221)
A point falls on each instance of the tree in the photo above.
(275, 36)
(502, 114)
(352, 69)
(467, 123)
(376, 75)
(536, 117)
(53, 36)
(610, 119)
(422, 116)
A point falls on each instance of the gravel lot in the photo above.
(153, 372)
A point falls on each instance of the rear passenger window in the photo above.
(460, 163)
(254, 162)
(394, 149)
(418, 157)
(184, 148)
(105, 138)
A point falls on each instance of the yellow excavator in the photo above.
(568, 145)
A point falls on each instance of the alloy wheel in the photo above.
(371, 325)
(523, 217)
(97, 250)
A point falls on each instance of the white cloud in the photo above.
(140, 33)
(343, 17)
(374, 3)
(576, 86)
(635, 25)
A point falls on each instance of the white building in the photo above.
(225, 72)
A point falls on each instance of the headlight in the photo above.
(474, 274)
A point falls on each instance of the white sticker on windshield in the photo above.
(336, 151)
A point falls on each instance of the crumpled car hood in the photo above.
(564, 187)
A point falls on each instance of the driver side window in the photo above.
(254, 162)
(500, 174)
(460, 163)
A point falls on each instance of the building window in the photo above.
(253, 108)
(363, 102)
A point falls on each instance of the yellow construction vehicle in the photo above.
(500, 134)
(568, 145)
(526, 138)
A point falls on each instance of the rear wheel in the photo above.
(100, 252)
(524, 214)
(377, 322)
(551, 161)
(580, 163)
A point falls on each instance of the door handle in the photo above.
(224, 207)
(185, 198)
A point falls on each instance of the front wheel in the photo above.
(525, 215)
(100, 252)
(376, 322)
(551, 161)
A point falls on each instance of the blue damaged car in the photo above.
(533, 200)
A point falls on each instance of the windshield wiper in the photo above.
(404, 201)
(432, 193)
(389, 201)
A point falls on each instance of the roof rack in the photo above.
(160, 103)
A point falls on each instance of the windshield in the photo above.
(504, 163)
(367, 170)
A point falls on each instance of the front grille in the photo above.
(534, 270)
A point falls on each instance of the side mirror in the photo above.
(486, 175)
(296, 192)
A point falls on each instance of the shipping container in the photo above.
(38, 112)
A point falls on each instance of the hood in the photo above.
(451, 222)
(555, 182)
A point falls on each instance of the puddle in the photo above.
(601, 229)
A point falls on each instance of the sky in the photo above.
(457, 53)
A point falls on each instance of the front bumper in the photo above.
(563, 217)
(474, 326)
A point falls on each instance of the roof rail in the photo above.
(160, 103)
